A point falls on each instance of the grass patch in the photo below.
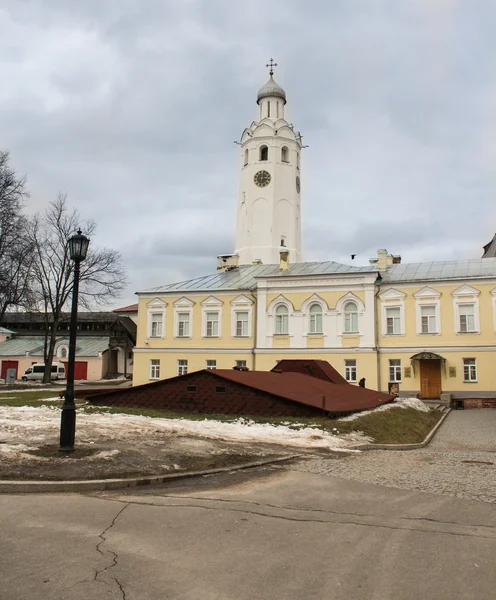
(34, 398)
(394, 426)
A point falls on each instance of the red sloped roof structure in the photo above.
(315, 368)
(309, 390)
(130, 308)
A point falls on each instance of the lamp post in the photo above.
(78, 247)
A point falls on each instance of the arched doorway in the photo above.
(430, 373)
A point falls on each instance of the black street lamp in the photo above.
(78, 247)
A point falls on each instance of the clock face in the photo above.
(262, 178)
(297, 184)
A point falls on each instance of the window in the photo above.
(467, 318)
(246, 157)
(264, 153)
(156, 325)
(297, 160)
(268, 108)
(183, 324)
(351, 318)
(63, 352)
(393, 321)
(285, 154)
(282, 319)
(240, 363)
(316, 318)
(191, 388)
(350, 370)
(395, 369)
(212, 324)
(155, 369)
(182, 367)
(220, 389)
(469, 369)
(242, 323)
(211, 365)
(428, 316)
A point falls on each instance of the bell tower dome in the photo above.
(269, 212)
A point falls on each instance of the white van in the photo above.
(35, 372)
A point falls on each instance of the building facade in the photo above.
(420, 328)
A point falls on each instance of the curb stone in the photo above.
(37, 487)
(423, 444)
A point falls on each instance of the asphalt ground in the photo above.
(271, 533)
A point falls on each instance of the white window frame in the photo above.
(396, 320)
(63, 347)
(211, 305)
(183, 305)
(471, 370)
(427, 296)
(155, 368)
(212, 322)
(183, 324)
(159, 323)
(429, 320)
(213, 364)
(182, 369)
(463, 296)
(395, 370)
(241, 304)
(350, 370)
(155, 307)
(281, 320)
(313, 324)
(238, 361)
(392, 298)
(346, 314)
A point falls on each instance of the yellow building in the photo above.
(425, 328)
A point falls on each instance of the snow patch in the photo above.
(400, 403)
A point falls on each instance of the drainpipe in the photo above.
(255, 327)
(376, 329)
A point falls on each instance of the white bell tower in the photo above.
(269, 211)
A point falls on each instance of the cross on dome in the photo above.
(271, 64)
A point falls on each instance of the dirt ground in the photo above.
(120, 446)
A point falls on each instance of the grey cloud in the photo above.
(132, 108)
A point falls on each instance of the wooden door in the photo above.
(80, 370)
(430, 378)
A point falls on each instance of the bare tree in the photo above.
(16, 248)
(102, 275)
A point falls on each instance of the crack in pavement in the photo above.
(317, 510)
(322, 521)
(113, 554)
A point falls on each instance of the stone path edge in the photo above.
(423, 444)
(38, 487)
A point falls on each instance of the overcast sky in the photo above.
(132, 107)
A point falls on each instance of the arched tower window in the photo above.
(351, 318)
(268, 108)
(246, 157)
(282, 319)
(285, 154)
(297, 160)
(264, 153)
(316, 318)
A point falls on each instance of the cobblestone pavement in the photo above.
(460, 461)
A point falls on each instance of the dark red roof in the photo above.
(130, 308)
(315, 368)
(309, 390)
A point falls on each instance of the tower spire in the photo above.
(271, 64)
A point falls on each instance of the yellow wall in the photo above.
(448, 335)
(196, 362)
(226, 340)
(486, 373)
(297, 298)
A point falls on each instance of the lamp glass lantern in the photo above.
(78, 246)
